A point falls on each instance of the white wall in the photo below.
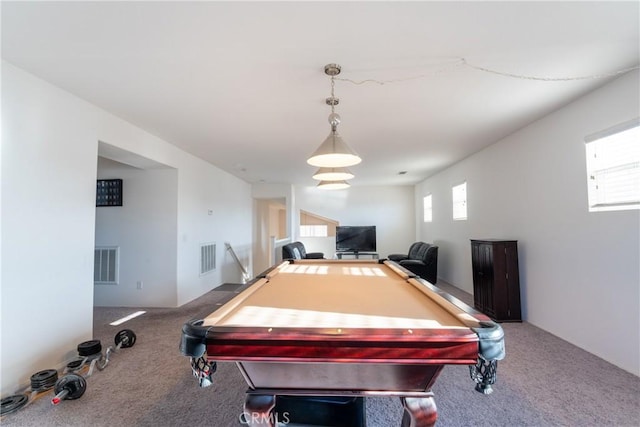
(145, 229)
(49, 157)
(264, 195)
(213, 206)
(389, 208)
(49, 151)
(579, 271)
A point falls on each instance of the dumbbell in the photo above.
(72, 386)
(69, 387)
(12, 403)
(91, 350)
(87, 351)
(124, 339)
(41, 382)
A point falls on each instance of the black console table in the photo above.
(357, 255)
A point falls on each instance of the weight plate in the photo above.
(127, 337)
(13, 403)
(75, 364)
(89, 348)
(74, 384)
(44, 380)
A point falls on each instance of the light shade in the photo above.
(334, 153)
(333, 174)
(333, 185)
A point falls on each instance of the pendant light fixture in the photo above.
(333, 174)
(333, 152)
(333, 185)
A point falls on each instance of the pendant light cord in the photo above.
(462, 62)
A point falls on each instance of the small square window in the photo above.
(459, 196)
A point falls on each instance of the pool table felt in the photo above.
(338, 294)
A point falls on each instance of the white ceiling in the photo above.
(242, 85)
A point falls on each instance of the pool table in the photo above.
(343, 328)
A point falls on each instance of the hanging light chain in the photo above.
(334, 118)
(333, 97)
(334, 152)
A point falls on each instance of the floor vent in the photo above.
(207, 258)
(105, 265)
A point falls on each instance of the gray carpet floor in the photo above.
(544, 381)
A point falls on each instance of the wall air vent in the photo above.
(207, 258)
(106, 265)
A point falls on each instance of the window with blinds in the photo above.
(312, 225)
(313, 231)
(427, 208)
(613, 168)
(459, 196)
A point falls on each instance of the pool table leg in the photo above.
(258, 410)
(419, 411)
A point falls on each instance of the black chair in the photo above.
(413, 252)
(421, 260)
(296, 250)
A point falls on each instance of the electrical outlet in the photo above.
(139, 284)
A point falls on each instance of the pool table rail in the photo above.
(425, 346)
(473, 339)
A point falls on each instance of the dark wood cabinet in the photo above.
(496, 279)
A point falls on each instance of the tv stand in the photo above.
(357, 254)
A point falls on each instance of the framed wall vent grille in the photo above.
(207, 258)
(106, 265)
(109, 192)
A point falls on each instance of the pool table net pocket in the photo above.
(203, 370)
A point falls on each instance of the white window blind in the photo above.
(459, 196)
(613, 168)
(313, 230)
(427, 207)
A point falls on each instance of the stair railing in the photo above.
(245, 274)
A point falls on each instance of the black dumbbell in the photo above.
(44, 380)
(12, 403)
(89, 348)
(69, 387)
(124, 339)
(92, 351)
(73, 386)
(88, 351)
(41, 382)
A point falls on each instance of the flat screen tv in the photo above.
(356, 238)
